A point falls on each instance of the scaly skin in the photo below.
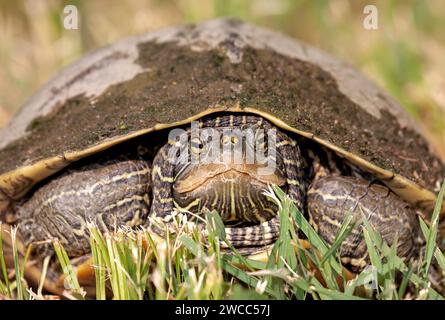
(245, 202)
(107, 195)
(331, 198)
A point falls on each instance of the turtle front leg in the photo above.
(331, 198)
(109, 195)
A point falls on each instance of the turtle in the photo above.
(168, 121)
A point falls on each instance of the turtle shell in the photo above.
(176, 75)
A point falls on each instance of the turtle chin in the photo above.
(235, 192)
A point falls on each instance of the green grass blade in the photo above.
(99, 268)
(431, 239)
(5, 288)
(68, 270)
(18, 273)
(341, 235)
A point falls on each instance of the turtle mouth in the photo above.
(236, 192)
(194, 179)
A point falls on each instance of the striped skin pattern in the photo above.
(111, 195)
(331, 198)
(129, 192)
(237, 196)
(132, 193)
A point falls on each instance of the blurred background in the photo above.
(405, 54)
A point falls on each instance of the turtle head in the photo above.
(227, 169)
